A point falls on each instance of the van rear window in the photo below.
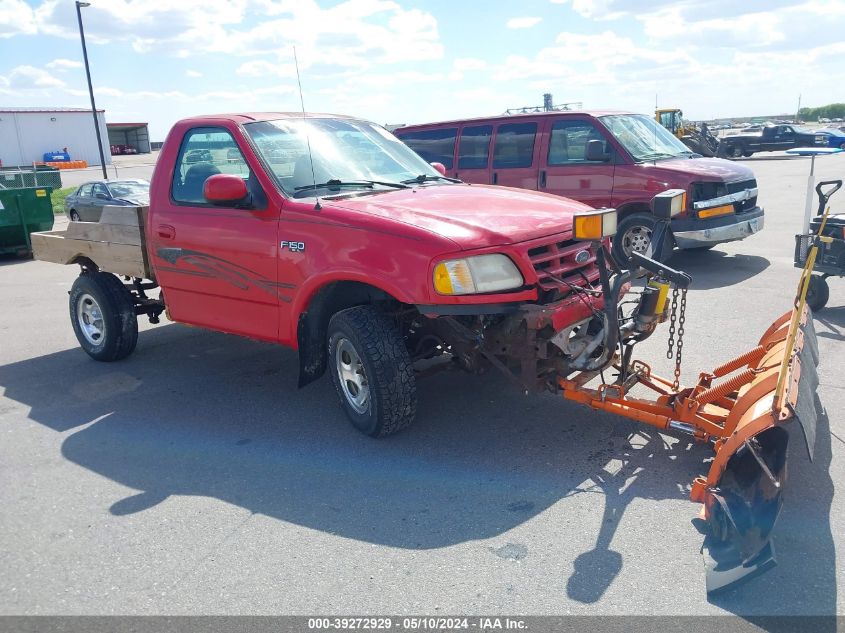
(514, 145)
(434, 146)
(475, 147)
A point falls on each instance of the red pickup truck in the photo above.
(329, 235)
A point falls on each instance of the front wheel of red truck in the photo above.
(103, 316)
(372, 371)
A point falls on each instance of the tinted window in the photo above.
(100, 190)
(568, 142)
(474, 148)
(84, 190)
(205, 152)
(514, 145)
(434, 146)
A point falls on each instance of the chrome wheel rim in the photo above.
(636, 239)
(90, 319)
(353, 378)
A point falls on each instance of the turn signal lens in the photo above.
(594, 225)
(716, 211)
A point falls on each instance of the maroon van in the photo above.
(604, 159)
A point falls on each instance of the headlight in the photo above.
(594, 225)
(473, 275)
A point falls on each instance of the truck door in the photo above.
(516, 153)
(217, 265)
(474, 154)
(564, 168)
(784, 138)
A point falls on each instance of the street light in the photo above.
(79, 6)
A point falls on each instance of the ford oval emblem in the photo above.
(582, 256)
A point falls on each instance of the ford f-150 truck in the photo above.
(772, 138)
(352, 249)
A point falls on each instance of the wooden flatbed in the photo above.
(116, 244)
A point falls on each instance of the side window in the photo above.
(514, 145)
(100, 190)
(205, 151)
(434, 146)
(568, 141)
(474, 148)
(84, 191)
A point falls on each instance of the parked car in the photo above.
(603, 159)
(199, 156)
(835, 136)
(117, 150)
(86, 203)
(772, 138)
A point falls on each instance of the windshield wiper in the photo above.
(654, 155)
(336, 183)
(427, 178)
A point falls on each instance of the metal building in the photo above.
(135, 135)
(26, 134)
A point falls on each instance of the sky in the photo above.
(413, 61)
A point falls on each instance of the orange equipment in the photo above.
(740, 408)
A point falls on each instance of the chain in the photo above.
(673, 316)
(679, 353)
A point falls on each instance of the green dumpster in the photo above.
(23, 211)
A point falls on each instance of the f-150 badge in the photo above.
(293, 247)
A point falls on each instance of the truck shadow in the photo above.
(200, 413)
(716, 268)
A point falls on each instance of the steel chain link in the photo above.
(673, 316)
(680, 349)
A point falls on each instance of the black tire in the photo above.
(842, 146)
(103, 295)
(391, 401)
(736, 151)
(818, 292)
(74, 215)
(642, 223)
(748, 154)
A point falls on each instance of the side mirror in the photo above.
(101, 196)
(225, 190)
(440, 167)
(595, 151)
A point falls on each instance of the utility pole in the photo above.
(79, 6)
(798, 113)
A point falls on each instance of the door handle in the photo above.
(165, 231)
(495, 177)
(542, 182)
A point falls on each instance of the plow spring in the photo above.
(741, 409)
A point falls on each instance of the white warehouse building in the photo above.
(26, 134)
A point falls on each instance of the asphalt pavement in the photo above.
(195, 478)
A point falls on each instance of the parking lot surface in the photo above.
(194, 478)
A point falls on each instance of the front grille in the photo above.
(708, 190)
(558, 270)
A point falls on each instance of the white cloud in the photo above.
(523, 22)
(16, 17)
(64, 64)
(31, 78)
(193, 73)
(263, 68)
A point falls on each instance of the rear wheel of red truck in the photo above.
(102, 313)
(371, 370)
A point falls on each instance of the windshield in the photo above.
(129, 189)
(356, 153)
(644, 138)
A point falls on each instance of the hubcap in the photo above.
(90, 318)
(636, 239)
(353, 378)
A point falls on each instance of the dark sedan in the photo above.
(86, 204)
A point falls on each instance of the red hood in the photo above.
(473, 216)
(702, 168)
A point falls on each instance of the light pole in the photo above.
(79, 6)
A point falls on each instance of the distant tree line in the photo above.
(833, 110)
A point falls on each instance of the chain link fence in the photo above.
(36, 176)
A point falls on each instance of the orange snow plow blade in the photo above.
(741, 408)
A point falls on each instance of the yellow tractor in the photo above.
(698, 139)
